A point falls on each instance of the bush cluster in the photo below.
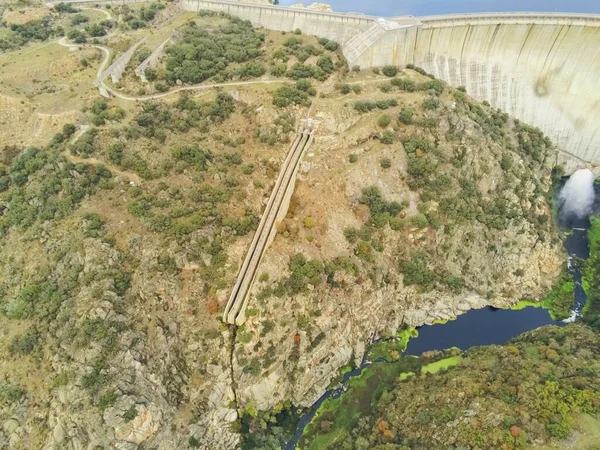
(202, 53)
(364, 106)
(294, 95)
(59, 187)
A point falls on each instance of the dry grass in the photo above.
(24, 15)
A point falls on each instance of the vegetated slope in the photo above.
(121, 241)
(217, 47)
(532, 391)
(414, 204)
(119, 244)
(591, 276)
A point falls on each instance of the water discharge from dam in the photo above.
(577, 196)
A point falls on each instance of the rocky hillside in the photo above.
(121, 237)
(414, 205)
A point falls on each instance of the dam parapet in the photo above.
(330, 25)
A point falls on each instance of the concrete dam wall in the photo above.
(338, 27)
(543, 69)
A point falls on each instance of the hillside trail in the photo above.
(132, 176)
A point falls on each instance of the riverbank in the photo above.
(591, 276)
(490, 396)
(560, 304)
(335, 419)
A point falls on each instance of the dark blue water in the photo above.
(485, 326)
(432, 7)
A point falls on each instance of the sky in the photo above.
(431, 7)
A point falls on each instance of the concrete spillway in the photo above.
(150, 62)
(543, 69)
(116, 69)
(284, 187)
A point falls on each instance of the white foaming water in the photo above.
(577, 195)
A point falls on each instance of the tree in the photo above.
(77, 36)
(390, 71)
(384, 121)
(95, 30)
(406, 115)
(326, 63)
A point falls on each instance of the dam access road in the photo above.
(541, 68)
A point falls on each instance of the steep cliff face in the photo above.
(395, 224)
(119, 245)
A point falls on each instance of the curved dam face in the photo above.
(543, 69)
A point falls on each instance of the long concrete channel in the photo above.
(236, 306)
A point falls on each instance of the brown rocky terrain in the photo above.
(112, 285)
(335, 320)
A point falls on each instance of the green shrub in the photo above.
(10, 394)
(25, 344)
(65, 8)
(253, 69)
(85, 145)
(406, 115)
(107, 399)
(289, 95)
(78, 19)
(384, 121)
(416, 271)
(405, 84)
(192, 155)
(130, 414)
(433, 85)
(390, 71)
(77, 36)
(431, 103)
(344, 88)
(371, 196)
(363, 106)
(95, 30)
(387, 137)
(150, 73)
(397, 223)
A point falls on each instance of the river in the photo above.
(388, 8)
(484, 326)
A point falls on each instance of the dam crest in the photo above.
(541, 68)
